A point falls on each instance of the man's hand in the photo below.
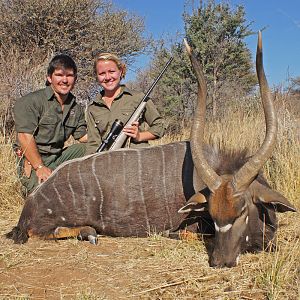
(32, 154)
(42, 173)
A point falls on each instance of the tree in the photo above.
(32, 31)
(216, 33)
(177, 88)
(295, 85)
(81, 28)
(173, 91)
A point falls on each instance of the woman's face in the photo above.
(108, 75)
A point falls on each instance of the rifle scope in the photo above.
(116, 128)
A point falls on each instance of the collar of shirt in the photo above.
(50, 95)
(99, 99)
(68, 104)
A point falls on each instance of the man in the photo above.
(44, 120)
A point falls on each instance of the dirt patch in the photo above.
(123, 268)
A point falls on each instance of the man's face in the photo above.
(62, 81)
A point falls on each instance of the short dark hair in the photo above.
(61, 61)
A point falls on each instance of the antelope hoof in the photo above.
(88, 233)
(93, 239)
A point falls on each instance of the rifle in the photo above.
(116, 137)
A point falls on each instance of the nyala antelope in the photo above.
(131, 192)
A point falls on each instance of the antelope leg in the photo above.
(84, 233)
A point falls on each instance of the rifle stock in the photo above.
(122, 137)
(117, 141)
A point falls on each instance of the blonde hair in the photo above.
(110, 56)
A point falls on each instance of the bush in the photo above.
(32, 31)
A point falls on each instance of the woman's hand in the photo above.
(133, 131)
(138, 136)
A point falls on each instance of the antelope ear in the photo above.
(269, 197)
(197, 202)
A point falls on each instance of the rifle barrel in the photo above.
(158, 78)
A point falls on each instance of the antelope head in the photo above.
(236, 201)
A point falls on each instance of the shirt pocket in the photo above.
(125, 114)
(101, 126)
(70, 127)
(47, 129)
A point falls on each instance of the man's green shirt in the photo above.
(100, 118)
(40, 114)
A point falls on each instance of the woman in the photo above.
(116, 101)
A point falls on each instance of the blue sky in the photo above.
(281, 39)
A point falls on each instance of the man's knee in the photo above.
(71, 152)
(76, 150)
(29, 184)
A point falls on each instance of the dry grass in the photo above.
(156, 267)
(10, 187)
(20, 76)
